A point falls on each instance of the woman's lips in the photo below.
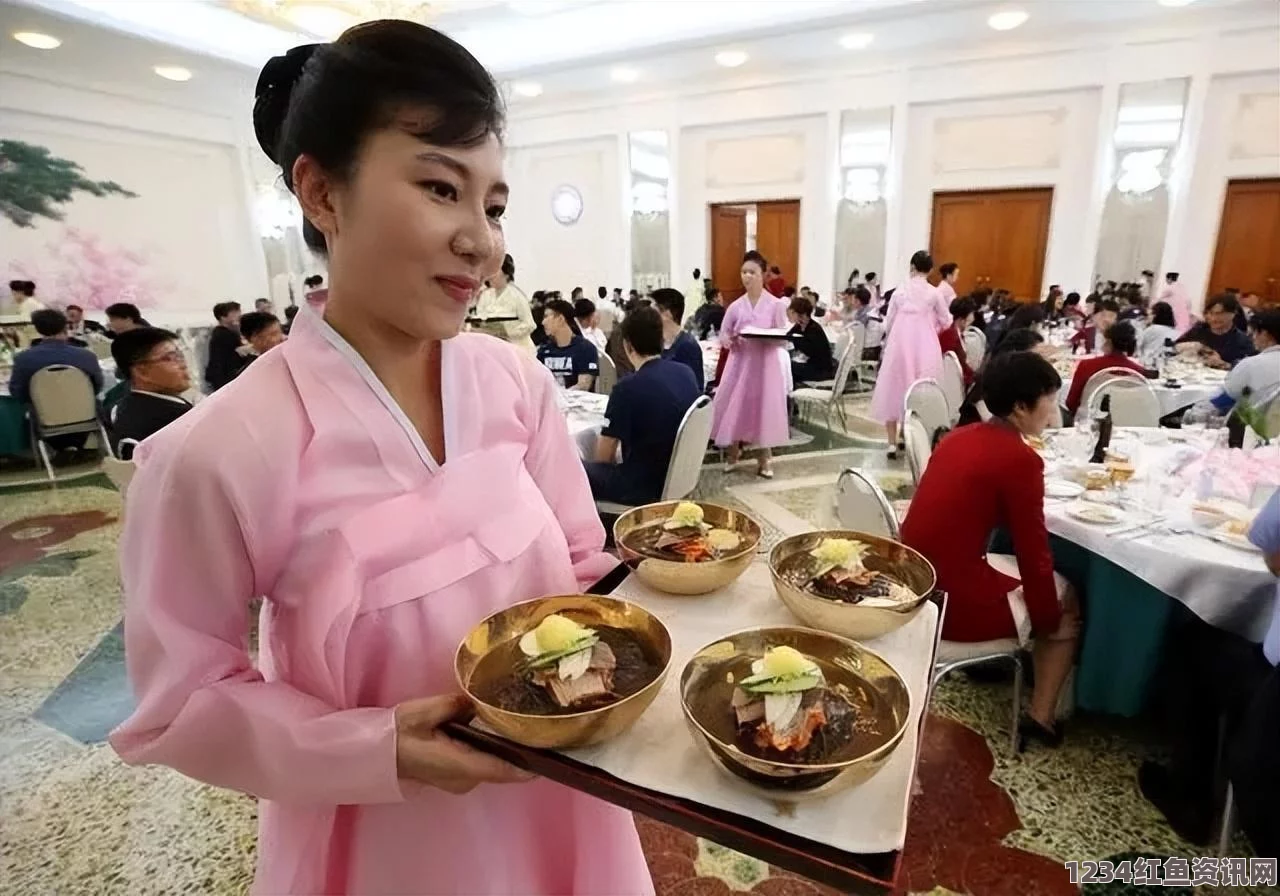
(460, 289)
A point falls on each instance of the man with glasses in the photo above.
(152, 362)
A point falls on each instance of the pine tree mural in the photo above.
(34, 183)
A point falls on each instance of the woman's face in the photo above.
(499, 280)
(752, 277)
(414, 232)
(1035, 420)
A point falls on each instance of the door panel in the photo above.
(778, 236)
(1248, 253)
(728, 245)
(961, 233)
(997, 237)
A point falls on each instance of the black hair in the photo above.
(1148, 273)
(602, 293)
(1123, 337)
(576, 293)
(1026, 317)
(124, 311)
(1017, 341)
(1267, 320)
(49, 321)
(255, 322)
(1172, 277)
(1073, 298)
(642, 330)
(313, 281)
(697, 273)
(962, 308)
(583, 308)
(323, 100)
(1017, 378)
(773, 269)
(1107, 305)
(1228, 303)
(922, 261)
(871, 275)
(788, 292)
(75, 308)
(290, 313)
(1162, 314)
(672, 300)
(802, 306)
(946, 270)
(26, 287)
(509, 267)
(862, 294)
(756, 258)
(565, 310)
(127, 349)
(222, 309)
(711, 294)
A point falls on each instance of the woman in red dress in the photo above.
(1118, 345)
(983, 477)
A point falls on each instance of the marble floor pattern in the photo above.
(75, 820)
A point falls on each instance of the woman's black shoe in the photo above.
(1029, 729)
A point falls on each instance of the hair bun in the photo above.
(271, 96)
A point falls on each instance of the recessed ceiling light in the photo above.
(37, 40)
(731, 58)
(624, 74)
(858, 40)
(173, 72)
(1008, 20)
(527, 88)
(1175, 2)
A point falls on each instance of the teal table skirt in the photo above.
(14, 436)
(1124, 628)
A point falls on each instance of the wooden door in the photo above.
(728, 245)
(778, 237)
(1248, 253)
(998, 238)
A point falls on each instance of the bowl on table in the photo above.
(863, 620)
(679, 576)
(879, 697)
(490, 654)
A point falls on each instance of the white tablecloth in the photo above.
(584, 415)
(1197, 384)
(1227, 587)
(660, 754)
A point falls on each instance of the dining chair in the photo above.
(919, 444)
(831, 399)
(1106, 375)
(975, 347)
(686, 457)
(63, 403)
(1133, 402)
(120, 472)
(862, 505)
(927, 399)
(955, 655)
(952, 384)
(607, 378)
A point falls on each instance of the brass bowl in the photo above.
(854, 620)
(678, 577)
(579, 729)
(705, 694)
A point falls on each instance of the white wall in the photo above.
(190, 228)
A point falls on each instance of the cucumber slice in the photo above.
(555, 656)
(783, 685)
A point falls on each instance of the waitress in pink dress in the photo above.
(917, 314)
(384, 482)
(751, 400)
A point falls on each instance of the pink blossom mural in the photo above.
(83, 269)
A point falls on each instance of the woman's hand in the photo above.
(425, 754)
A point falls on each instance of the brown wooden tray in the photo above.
(873, 873)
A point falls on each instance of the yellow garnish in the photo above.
(723, 539)
(842, 552)
(782, 662)
(686, 515)
(555, 633)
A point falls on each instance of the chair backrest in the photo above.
(1133, 401)
(859, 341)
(607, 378)
(975, 347)
(687, 453)
(844, 368)
(120, 472)
(919, 442)
(62, 396)
(1106, 375)
(927, 399)
(952, 383)
(861, 505)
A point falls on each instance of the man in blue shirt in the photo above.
(680, 346)
(1213, 676)
(572, 359)
(54, 349)
(644, 413)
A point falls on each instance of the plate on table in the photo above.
(1062, 488)
(1097, 514)
(1233, 535)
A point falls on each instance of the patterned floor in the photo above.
(75, 820)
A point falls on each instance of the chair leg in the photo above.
(106, 442)
(44, 456)
(1228, 821)
(1017, 702)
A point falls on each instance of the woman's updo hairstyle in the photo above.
(323, 100)
(922, 262)
(756, 258)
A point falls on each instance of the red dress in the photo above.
(950, 341)
(980, 478)
(1088, 367)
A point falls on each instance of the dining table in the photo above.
(1137, 550)
(1185, 381)
(584, 415)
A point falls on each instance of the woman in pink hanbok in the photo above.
(751, 400)
(917, 314)
(1176, 295)
(384, 483)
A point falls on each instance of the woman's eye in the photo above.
(495, 212)
(440, 188)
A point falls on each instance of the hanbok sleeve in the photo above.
(555, 465)
(519, 306)
(941, 311)
(202, 525)
(731, 325)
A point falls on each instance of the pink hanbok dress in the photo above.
(917, 314)
(1176, 295)
(751, 401)
(304, 482)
